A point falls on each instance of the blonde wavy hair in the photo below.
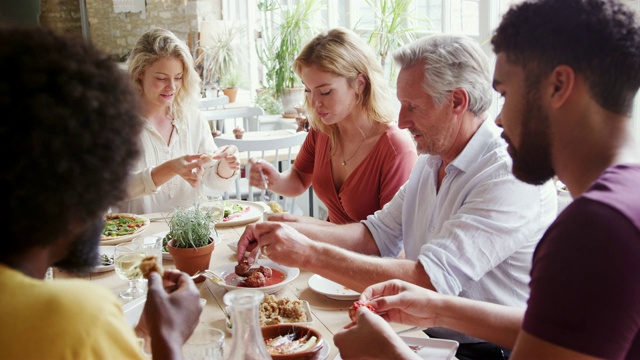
(160, 43)
(345, 54)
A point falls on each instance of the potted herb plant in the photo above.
(189, 240)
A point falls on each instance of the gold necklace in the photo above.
(344, 161)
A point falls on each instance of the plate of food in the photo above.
(240, 212)
(121, 227)
(106, 259)
(271, 278)
(332, 289)
(165, 253)
(274, 310)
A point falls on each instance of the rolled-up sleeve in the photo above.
(141, 184)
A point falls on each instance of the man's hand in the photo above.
(170, 313)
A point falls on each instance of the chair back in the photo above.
(213, 103)
(280, 151)
(225, 120)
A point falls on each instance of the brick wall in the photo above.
(116, 33)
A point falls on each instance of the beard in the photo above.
(83, 252)
(532, 160)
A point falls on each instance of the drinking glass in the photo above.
(152, 246)
(127, 258)
(206, 343)
(215, 205)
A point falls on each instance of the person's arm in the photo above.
(286, 246)
(405, 303)
(290, 183)
(170, 314)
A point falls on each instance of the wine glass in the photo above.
(128, 257)
(215, 205)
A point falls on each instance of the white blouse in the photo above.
(190, 136)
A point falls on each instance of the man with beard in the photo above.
(70, 134)
(467, 226)
(569, 71)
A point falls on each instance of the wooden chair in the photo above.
(279, 151)
(213, 103)
(225, 120)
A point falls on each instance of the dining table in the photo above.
(328, 315)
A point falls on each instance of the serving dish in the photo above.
(332, 289)
(289, 273)
(274, 331)
(124, 238)
(255, 212)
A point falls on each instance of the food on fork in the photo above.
(149, 265)
(356, 305)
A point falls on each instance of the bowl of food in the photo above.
(292, 342)
(278, 276)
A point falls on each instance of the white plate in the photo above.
(290, 273)
(255, 213)
(124, 238)
(233, 246)
(332, 289)
(431, 349)
(106, 250)
(166, 256)
(324, 352)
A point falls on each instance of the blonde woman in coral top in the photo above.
(355, 156)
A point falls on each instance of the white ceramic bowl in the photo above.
(289, 272)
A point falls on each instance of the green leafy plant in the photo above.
(221, 55)
(268, 101)
(231, 79)
(278, 50)
(189, 228)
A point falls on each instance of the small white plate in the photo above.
(255, 212)
(289, 272)
(106, 250)
(166, 256)
(431, 349)
(233, 246)
(332, 289)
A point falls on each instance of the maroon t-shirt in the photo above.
(585, 279)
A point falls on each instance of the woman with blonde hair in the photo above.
(178, 152)
(355, 156)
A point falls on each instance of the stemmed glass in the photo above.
(215, 205)
(127, 258)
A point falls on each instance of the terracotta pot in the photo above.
(231, 94)
(192, 260)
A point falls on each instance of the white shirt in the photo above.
(475, 236)
(190, 136)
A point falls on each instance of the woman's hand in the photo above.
(271, 174)
(229, 161)
(188, 167)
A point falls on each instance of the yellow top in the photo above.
(62, 319)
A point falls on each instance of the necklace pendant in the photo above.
(344, 163)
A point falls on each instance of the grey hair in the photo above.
(450, 62)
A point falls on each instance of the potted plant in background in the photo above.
(219, 50)
(229, 83)
(189, 240)
(278, 50)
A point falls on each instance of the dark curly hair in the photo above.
(70, 133)
(599, 39)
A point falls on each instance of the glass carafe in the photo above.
(247, 344)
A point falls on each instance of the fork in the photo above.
(209, 275)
